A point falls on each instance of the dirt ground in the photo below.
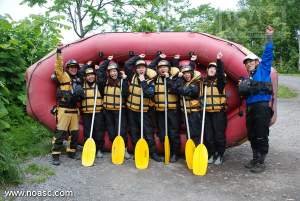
(231, 181)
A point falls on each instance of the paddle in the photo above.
(167, 142)
(141, 152)
(89, 148)
(200, 158)
(118, 146)
(189, 145)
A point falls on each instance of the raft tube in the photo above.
(41, 89)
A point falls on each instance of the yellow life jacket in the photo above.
(65, 85)
(215, 101)
(192, 104)
(111, 97)
(159, 96)
(134, 98)
(87, 104)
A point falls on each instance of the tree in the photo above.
(22, 44)
(88, 15)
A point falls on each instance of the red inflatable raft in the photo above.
(41, 89)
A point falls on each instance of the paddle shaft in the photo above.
(94, 109)
(142, 113)
(166, 106)
(120, 109)
(203, 114)
(186, 118)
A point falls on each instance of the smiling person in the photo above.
(141, 81)
(216, 119)
(69, 92)
(187, 86)
(258, 94)
(90, 81)
(167, 72)
(110, 76)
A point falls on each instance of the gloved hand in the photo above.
(78, 93)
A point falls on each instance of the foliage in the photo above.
(22, 43)
(88, 15)
(38, 173)
(244, 25)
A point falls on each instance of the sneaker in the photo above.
(99, 154)
(55, 160)
(211, 160)
(250, 164)
(127, 155)
(219, 160)
(156, 157)
(258, 168)
(174, 158)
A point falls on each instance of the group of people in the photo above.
(175, 83)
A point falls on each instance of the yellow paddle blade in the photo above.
(118, 151)
(88, 153)
(200, 160)
(189, 152)
(141, 154)
(167, 150)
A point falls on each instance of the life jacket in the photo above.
(215, 101)
(192, 104)
(250, 87)
(159, 94)
(65, 85)
(65, 92)
(87, 104)
(134, 98)
(111, 97)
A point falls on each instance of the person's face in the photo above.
(90, 77)
(162, 70)
(211, 71)
(141, 69)
(72, 70)
(187, 76)
(251, 64)
(113, 73)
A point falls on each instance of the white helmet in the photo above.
(250, 57)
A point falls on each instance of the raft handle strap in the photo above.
(131, 53)
(101, 54)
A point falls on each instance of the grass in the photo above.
(36, 174)
(24, 139)
(285, 92)
(28, 139)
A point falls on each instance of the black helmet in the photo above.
(112, 65)
(89, 71)
(186, 68)
(73, 63)
(163, 63)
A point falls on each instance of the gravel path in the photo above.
(231, 181)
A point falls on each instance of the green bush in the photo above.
(22, 43)
(9, 169)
